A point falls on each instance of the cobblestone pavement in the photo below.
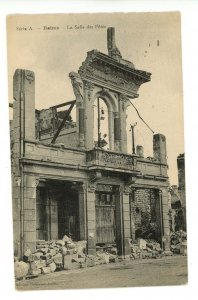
(148, 272)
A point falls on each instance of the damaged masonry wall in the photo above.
(60, 189)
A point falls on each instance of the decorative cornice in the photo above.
(96, 56)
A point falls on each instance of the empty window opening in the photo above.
(101, 124)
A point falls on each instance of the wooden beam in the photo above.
(72, 103)
(63, 104)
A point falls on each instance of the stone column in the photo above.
(91, 220)
(80, 111)
(122, 223)
(111, 130)
(89, 114)
(165, 218)
(123, 104)
(126, 221)
(16, 211)
(29, 212)
(132, 215)
(159, 148)
(117, 135)
(24, 92)
(82, 211)
(51, 215)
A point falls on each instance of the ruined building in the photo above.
(178, 196)
(67, 182)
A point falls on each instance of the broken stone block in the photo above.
(32, 266)
(52, 252)
(37, 255)
(83, 265)
(168, 253)
(81, 255)
(81, 245)
(31, 258)
(104, 257)
(44, 250)
(113, 258)
(27, 252)
(90, 261)
(52, 266)
(141, 243)
(71, 251)
(71, 245)
(67, 239)
(46, 270)
(40, 264)
(71, 262)
(20, 269)
(70, 258)
(81, 259)
(74, 258)
(49, 261)
(63, 250)
(58, 258)
(36, 272)
(46, 256)
(113, 251)
(60, 242)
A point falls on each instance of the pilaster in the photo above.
(165, 218)
(29, 212)
(91, 219)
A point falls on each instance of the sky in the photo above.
(152, 41)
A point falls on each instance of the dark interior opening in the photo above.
(57, 211)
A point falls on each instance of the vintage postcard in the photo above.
(97, 150)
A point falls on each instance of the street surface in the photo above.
(145, 272)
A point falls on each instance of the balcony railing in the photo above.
(103, 158)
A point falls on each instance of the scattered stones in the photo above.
(145, 249)
(60, 242)
(20, 269)
(51, 256)
(52, 267)
(46, 270)
(178, 241)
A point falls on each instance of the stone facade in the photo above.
(56, 186)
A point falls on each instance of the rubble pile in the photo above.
(65, 254)
(145, 249)
(178, 241)
(51, 256)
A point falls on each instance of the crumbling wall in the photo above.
(145, 213)
(47, 124)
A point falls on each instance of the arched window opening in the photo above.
(101, 124)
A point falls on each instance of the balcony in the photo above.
(108, 160)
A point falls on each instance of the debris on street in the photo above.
(178, 241)
(147, 248)
(65, 254)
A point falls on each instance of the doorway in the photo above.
(105, 218)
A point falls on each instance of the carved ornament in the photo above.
(103, 68)
(89, 87)
(77, 85)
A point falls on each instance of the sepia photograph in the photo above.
(97, 150)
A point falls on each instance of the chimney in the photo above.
(159, 148)
(110, 39)
(113, 51)
(140, 150)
